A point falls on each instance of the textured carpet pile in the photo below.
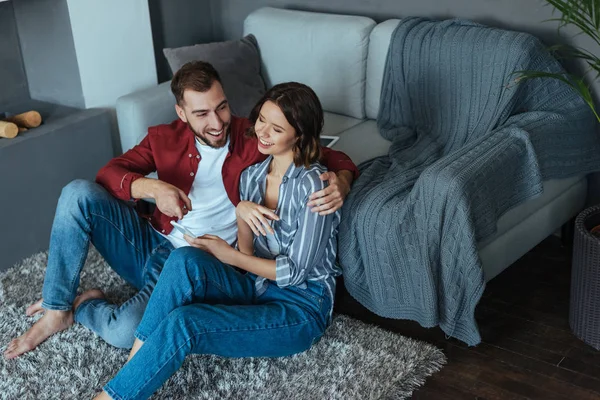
(353, 360)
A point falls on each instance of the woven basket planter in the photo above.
(584, 315)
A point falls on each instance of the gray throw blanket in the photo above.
(470, 141)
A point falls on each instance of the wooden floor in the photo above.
(527, 351)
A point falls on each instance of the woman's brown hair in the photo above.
(302, 109)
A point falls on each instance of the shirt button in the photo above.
(191, 174)
(284, 180)
(190, 155)
(198, 156)
(163, 231)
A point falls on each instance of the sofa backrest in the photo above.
(328, 52)
(379, 43)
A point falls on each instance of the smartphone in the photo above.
(182, 229)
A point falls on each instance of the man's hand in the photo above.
(331, 199)
(170, 200)
(214, 245)
(256, 216)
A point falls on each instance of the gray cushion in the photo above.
(335, 124)
(362, 142)
(379, 42)
(238, 64)
(327, 52)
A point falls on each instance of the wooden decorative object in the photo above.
(8, 130)
(29, 119)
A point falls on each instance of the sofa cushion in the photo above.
(379, 43)
(363, 142)
(553, 188)
(238, 64)
(324, 51)
(509, 244)
(336, 123)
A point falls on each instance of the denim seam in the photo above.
(306, 294)
(203, 333)
(301, 322)
(189, 295)
(216, 285)
(134, 297)
(81, 263)
(140, 336)
(118, 230)
(161, 245)
(112, 393)
(55, 308)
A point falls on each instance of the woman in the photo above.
(283, 304)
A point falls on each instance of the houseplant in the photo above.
(585, 15)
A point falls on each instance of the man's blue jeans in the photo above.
(87, 212)
(203, 306)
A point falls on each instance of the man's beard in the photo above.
(206, 136)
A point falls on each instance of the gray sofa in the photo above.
(342, 58)
(36, 165)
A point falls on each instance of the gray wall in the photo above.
(523, 15)
(49, 51)
(13, 81)
(177, 23)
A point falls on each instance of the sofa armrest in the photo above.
(140, 110)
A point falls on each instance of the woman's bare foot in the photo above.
(87, 295)
(52, 322)
(35, 308)
(137, 344)
(103, 396)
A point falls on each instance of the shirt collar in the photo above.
(292, 172)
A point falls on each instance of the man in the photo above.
(199, 159)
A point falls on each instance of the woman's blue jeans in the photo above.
(203, 306)
(86, 213)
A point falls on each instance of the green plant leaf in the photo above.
(582, 13)
(585, 15)
(577, 83)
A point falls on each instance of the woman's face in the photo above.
(275, 135)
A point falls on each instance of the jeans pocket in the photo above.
(308, 294)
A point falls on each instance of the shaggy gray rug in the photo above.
(353, 360)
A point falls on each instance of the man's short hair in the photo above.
(198, 76)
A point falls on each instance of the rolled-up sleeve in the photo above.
(120, 172)
(337, 161)
(310, 241)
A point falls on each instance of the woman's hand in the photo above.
(214, 245)
(256, 216)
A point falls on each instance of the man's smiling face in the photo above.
(207, 114)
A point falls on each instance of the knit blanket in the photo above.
(469, 141)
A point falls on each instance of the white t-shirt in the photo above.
(212, 210)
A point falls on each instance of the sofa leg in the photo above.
(567, 233)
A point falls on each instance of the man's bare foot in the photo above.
(87, 295)
(52, 321)
(35, 308)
